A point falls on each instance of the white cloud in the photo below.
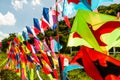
(35, 2)
(7, 19)
(18, 4)
(24, 29)
(3, 35)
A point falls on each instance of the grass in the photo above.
(9, 75)
(3, 58)
(76, 74)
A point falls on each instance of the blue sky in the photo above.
(16, 14)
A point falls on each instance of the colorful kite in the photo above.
(91, 30)
(70, 6)
(69, 68)
(81, 27)
(97, 65)
(112, 39)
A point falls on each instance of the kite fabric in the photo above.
(25, 49)
(69, 9)
(46, 14)
(105, 28)
(25, 35)
(29, 58)
(32, 74)
(112, 39)
(16, 40)
(97, 65)
(76, 40)
(28, 46)
(81, 27)
(63, 62)
(69, 68)
(30, 33)
(37, 44)
(70, 6)
(34, 55)
(36, 31)
(21, 39)
(44, 24)
(60, 63)
(36, 25)
(103, 24)
(74, 1)
(50, 59)
(54, 45)
(40, 25)
(90, 18)
(67, 21)
(53, 14)
(45, 45)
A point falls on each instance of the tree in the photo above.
(112, 9)
(6, 40)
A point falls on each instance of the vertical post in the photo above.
(114, 50)
(57, 30)
(57, 23)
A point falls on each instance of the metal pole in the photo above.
(114, 50)
(57, 23)
(57, 30)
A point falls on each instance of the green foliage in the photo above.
(78, 74)
(116, 56)
(110, 10)
(3, 56)
(43, 76)
(9, 75)
(6, 40)
(64, 34)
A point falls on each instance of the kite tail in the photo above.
(38, 75)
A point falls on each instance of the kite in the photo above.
(77, 40)
(63, 61)
(74, 1)
(81, 27)
(91, 29)
(69, 68)
(36, 25)
(67, 21)
(112, 39)
(70, 6)
(53, 14)
(55, 45)
(97, 65)
(25, 35)
(105, 28)
(46, 14)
